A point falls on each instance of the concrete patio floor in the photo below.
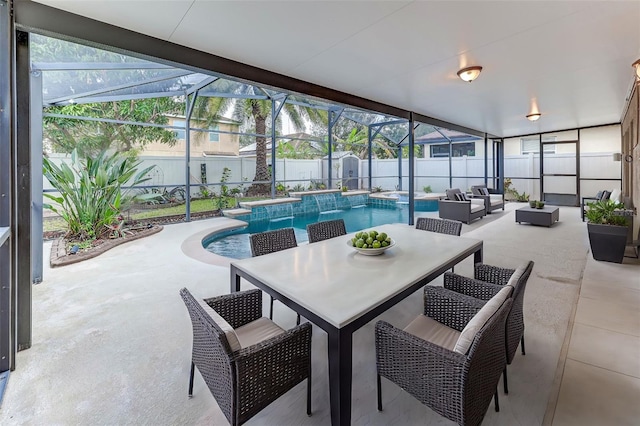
(112, 338)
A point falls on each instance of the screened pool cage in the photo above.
(215, 134)
(318, 144)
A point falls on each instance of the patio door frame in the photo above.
(7, 224)
(576, 174)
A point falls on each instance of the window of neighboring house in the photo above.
(459, 149)
(180, 134)
(532, 145)
(214, 136)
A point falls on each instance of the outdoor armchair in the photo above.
(326, 229)
(270, 242)
(489, 280)
(458, 207)
(450, 358)
(246, 360)
(491, 201)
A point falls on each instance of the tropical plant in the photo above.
(91, 191)
(606, 212)
(225, 196)
(427, 189)
(252, 105)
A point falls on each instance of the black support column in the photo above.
(22, 207)
(7, 142)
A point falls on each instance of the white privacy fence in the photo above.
(466, 171)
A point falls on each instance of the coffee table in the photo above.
(545, 216)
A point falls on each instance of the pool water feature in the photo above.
(235, 243)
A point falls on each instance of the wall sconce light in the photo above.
(534, 116)
(636, 65)
(470, 73)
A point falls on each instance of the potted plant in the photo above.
(608, 228)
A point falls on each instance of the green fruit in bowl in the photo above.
(376, 244)
(359, 242)
(369, 240)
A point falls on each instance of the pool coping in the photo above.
(193, 248)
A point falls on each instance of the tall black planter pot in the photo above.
(608, 242)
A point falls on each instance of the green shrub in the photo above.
(427, 189)
(604, 212)
(91, 194)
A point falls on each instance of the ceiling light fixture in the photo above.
(636, 65)
(533, 116)
(470, 73)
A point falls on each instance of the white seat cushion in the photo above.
(432, 331)
(480, 319)
(616, 196)
(477, 202)
(495, 200)
(257, 331)
(228, 331)
(476, 208)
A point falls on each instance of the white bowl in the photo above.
(372, 251)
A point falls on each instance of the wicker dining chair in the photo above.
(441, 226)
(487, 281)
(270, 242)
(327, 229)
(425, 358)
(246, 361)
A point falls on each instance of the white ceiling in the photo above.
(569, 60)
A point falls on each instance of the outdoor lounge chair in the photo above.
(326, 229)
(455, 207)
(270, 242)
(488, 281)
(246, 360)
(491, 201)
(450, 358)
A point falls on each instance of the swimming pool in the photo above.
(235, 243)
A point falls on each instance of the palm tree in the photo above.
(259, 110)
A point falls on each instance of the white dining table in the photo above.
(340, 290)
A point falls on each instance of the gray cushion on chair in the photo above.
(257, 331)
(479, 320)
(432, 331)
(229, 332)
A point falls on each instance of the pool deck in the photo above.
(112, 338)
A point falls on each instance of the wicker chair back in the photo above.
(327, 229)
(442, 226)
(272, 241)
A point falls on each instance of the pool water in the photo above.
(235, 244)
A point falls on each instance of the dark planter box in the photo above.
(608, 242)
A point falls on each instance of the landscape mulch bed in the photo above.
(60, 255)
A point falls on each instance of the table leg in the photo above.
(340, 347)
(235, 280)
(477, 256)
